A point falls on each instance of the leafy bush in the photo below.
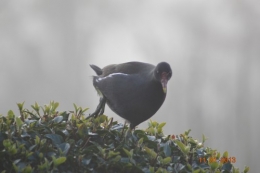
(45, 140)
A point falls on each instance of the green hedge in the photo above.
(45, 140)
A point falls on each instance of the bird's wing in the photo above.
(114, 85)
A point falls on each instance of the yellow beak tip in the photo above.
(164, 90)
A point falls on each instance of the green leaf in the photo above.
(235, 170)
(161, 125)
(46, 109)
(44, 166)
(166, 149)
(7, 143)
(151, 169)
(101, 150)
(197, 171)
(140, 141)
(150, 152)
(102, 118)
(20, 106)
(55, 106)
(182, 147)
(10, 114)
(75, 107)
(117, 159)
(64, 147)
(19, 122)
(187, 132)
(37, 140)
(154, 123)
(213, 165)
(204, 139)
(167, 160)
(15, 168)
(225, 154)
(58, 161)
(84, 110)
(83, 130)
(58, 119)
(112, 154)
(218, 155)
(127, 153)
(27, 169)
(36, 107)
(246, 169)
(56, 139)
(86, 161)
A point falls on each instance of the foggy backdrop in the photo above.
(212, 46)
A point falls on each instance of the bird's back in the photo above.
(126, 68)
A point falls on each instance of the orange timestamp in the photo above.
(214, 159)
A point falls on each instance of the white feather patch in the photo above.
(109, 76)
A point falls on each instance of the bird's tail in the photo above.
(96, 69)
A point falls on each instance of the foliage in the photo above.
(45, 140)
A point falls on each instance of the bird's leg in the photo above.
(100, 108)
(123, 130)
(129, 136)
(103, 104)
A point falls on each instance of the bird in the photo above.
(133, 90)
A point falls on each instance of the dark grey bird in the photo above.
(134, 90)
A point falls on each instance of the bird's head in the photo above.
(163, 73)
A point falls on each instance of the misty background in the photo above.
(212, 46)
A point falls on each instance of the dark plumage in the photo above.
(133, 90)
